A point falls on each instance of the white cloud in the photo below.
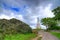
(33, 26)
(41, 12)
(4, 16)
(31, 13)
(45, 11)
(34, 19)
(20, 17)
(12, 15)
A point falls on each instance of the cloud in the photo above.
(31, 15)
(36, 3)
(27, 10)
(45, 11)
(40, 12)
(55, 3)
(3, 16)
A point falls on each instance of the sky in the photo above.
(28, 10)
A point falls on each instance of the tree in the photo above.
(48, 22)
(56, 12)
(44, 22)
(52, 23)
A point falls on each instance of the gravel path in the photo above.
(45, 36)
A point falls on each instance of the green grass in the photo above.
(20, 37)
(56, 34)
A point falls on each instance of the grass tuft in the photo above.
(20, 36)
(56, 34)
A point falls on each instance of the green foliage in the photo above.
(57, 34)
(54, 28)
(1, 36)
(56, 11)
(49, 22)
(20, 36)
(14, 26)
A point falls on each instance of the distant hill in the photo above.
(13, 26)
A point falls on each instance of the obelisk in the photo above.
(38, 23)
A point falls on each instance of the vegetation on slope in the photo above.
(13, 26)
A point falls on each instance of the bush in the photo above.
(35, 31)
(14, 26)
(54, 28)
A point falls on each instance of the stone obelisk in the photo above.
(38, 23)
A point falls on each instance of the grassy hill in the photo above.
(12, 28)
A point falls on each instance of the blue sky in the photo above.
(28, 10)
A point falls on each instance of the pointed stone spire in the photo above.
(38, 23)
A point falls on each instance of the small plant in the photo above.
(34, 31)
(1, 36)
(39, 38)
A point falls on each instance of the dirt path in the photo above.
(45, 36)
(48, 36)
